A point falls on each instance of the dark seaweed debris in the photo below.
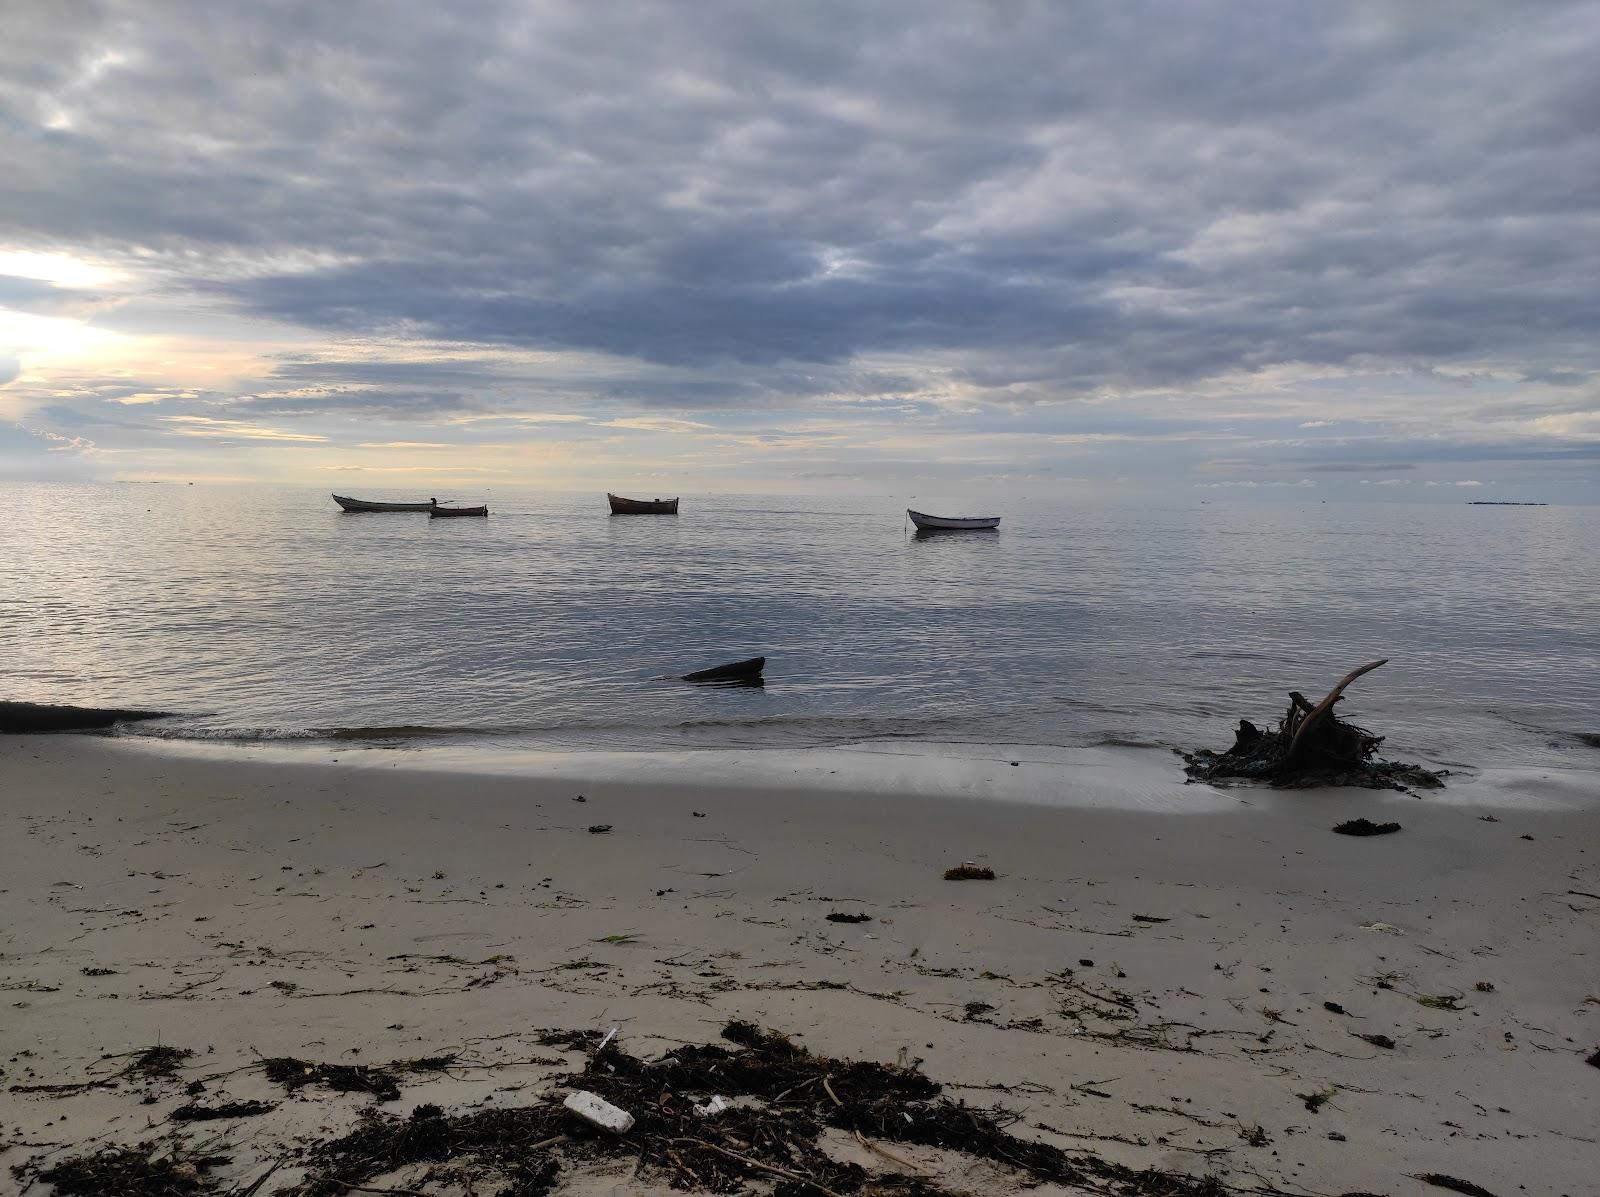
(147, 1064)
(969, 872)
(1365, 827)
(1454, 1184)
(194, 1112)
(839, 916)
(380, 1080)
(773, 1138)
(131, 1172)
(159, 1061)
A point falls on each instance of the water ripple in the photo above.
(265, 611)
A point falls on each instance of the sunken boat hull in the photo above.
(735, 673)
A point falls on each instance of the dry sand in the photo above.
(1146, 978)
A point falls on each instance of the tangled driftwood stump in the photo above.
(1311, 746)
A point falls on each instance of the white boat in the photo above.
(952, 523)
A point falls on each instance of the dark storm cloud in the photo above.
(748, 199)
(680, 322)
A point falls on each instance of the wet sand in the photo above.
(1169, 976)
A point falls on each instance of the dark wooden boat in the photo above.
(734, 671)
(437, 512)
(621, 506)
(350, 504)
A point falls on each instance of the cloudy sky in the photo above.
(744, 246)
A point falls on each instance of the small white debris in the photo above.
(1385, 928)
(597, 1111)
(713, 1107)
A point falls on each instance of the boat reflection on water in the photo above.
(952, 533)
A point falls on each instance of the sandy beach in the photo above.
(1207, 982)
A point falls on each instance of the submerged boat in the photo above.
(437, 512)
(952, 523)
(350, 504)
(740, 672)
(621, 506)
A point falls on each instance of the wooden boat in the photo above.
(437, 512)
(741, 672)
(621, 506)
(350, 504)
(952, 523)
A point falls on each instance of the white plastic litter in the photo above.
(597, 1111)
(715, 1106)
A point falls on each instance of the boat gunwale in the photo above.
(953, 523)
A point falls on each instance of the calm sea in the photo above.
(266, 612)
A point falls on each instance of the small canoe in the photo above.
(734, 671)
(952, 523)
(437, 512)
(621, 506)
(350, 504)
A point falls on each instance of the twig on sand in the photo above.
(677, 1161)
(181, 992)
(772, 1168)
(887, 1154)
(831, 1094)
(261, 1180)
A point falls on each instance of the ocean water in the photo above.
(265, 612)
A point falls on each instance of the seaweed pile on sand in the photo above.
(131, 1172)
(709, 1118)
(1311, 746)
(382, 1081)
(702, 1118)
